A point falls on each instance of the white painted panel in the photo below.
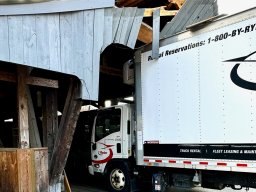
(209, 106)
(150, 108)
(66, 42)
(4, 48)
(98, 43)
(30, 39)
(54, 41)
(15, 39)
(108, 25)
(88, 47)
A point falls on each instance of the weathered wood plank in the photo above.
(88, 47)
(185, 11)
(98, 43)
(65, 133)
(66, 42)
(189, 20)
(38, 81)
(42, 31)
(26, 170)
(108, 25)
(22, 169)
(127, 25)
(30, 40)
(111, 71)
(6, 76)
(50, 119)
(53, 24)
(15, 39)
(41, 175)
(78, 42)
(11, 176)
(116, 20)
(145, 33)
(34, 136)
(22, 107)
(118, 34)
(136, 28)
(149, 12)
(54, 7)
(4, 39)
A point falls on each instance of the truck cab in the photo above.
(111, 145)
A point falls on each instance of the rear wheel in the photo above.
(119, 178)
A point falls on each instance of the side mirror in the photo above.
(94, 146)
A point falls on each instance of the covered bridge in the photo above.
(49, 65)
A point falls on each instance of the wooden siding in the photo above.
(70, 42)
(53, 6)
(23, 170)
(191, 12)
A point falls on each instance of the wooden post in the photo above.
(34, 136)
(65, 132)
(50, 119)
(22, 74)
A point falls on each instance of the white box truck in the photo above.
(194, 116)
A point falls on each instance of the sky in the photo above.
(234, 6)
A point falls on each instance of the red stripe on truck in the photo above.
(222, 164)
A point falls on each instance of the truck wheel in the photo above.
(119, 178)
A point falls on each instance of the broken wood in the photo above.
(65, 132)
(149, 12)
(177, 3)
(145, 33)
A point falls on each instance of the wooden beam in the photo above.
(65, 132)
(128, 3)
(149, 12)
(34, 135)
(145, 33)
(22, 101)
(37, 81)
(178, 3)
(111, 71)
(50, 119)
(30, 80)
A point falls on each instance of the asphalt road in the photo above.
(171, 189)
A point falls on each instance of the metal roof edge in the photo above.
(56, 6)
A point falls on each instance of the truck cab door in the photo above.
(106, 138)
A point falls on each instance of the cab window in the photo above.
(107, 122)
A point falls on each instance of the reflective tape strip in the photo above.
(187, 162)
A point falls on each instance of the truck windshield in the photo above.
(107, 122)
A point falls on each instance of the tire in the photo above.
(119, 178)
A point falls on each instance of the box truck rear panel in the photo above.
(199, 99)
